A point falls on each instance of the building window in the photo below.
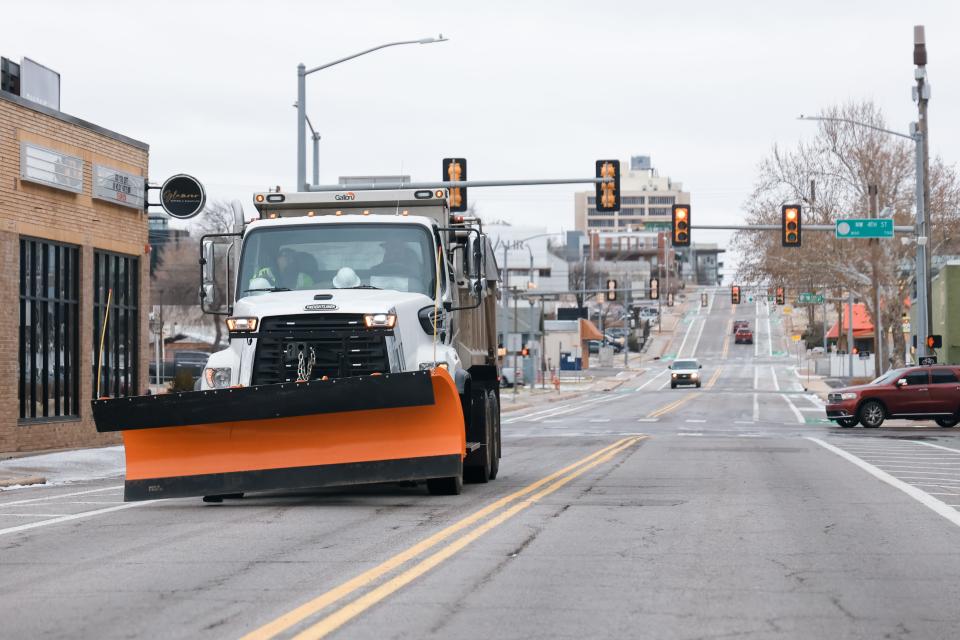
(600, 223)
(662, 199)
(632, 199)
(117, 278)
(594, 212)
(49, 353)
(591, 200)
(658, 211)
(632, 211)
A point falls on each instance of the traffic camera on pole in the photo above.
(608, 193)
(455, 170)
(735, 294)
(681, 225)
(654, 288)
(611, 290)
(780, 296)
(790, 225)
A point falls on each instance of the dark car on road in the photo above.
(744, 335)
(911, 393)
(685, 372)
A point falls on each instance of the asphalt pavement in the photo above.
(639, 511)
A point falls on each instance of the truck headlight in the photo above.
(242, 325)
(217, 377)
(848, 396)
(380, 320)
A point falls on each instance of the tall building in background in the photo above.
(646, 199)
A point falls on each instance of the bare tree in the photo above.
(842, 161)
(584, 276)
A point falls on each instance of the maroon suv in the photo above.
(913, 393)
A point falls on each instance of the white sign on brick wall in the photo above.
(118, 186)
(52, 168)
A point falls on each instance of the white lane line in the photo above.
(773, 375)
(600, 420)
(693, 435)
(817, 409)
(756, 378)
(696, 420)
(769, 335)
(936, 446)
(647, 419)
(685, 337)
(696, 343)
(575, 408)
(796, 411)
(536, 413)
(756, 408)
(744, 422)
(64, 495)
(652, 379)
(34, 515)
(549, 421)
(74, 516)
(937, 506)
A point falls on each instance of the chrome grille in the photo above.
(833, 398)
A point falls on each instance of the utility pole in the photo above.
(875, 282)
(922, 96)
(850, 332)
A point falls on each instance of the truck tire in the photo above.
(476, 467)
(445, 486)
(495, 441)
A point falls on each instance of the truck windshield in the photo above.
(335, 256)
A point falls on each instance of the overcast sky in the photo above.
(522, 89)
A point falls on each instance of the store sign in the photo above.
(39, 84)
(51, 168)
(182, 196)
(118, 187)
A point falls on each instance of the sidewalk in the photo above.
(62, 467)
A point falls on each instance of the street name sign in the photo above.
(865, 228)
(810, 298)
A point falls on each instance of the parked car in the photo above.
(594, 346)
(649, 312)
(507, 372)
(685, 371)
(911, 393)
(744, 335)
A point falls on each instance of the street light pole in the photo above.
(302, 73)
(922, 93)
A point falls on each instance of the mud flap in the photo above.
(396, 427)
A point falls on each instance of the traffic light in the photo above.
(455, 170)
(669, 298)
(654, 288)
(611, 290)
(780, 296)
(608, 193)
(735, 294)
(790, 226)
(934, 341)
(681, 225)
(525, 351)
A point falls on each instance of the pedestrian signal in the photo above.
(608, 193)
(654, 288)
(611, 290)
(680, 225)
(455, 170)
(790, 225)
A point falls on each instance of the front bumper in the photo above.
(843, 410)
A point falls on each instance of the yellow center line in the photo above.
(349, 611)
(714, 378)
(656, 413)
(328, 598)
(726, 347)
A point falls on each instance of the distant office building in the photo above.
(646, 201)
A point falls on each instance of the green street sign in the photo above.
(865, 228)
(810, 298)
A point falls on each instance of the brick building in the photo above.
(73, 236)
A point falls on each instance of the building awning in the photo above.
(589, 331)
(862, 327)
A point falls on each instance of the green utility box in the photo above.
(945, 299)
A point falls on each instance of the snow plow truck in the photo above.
(362, 349)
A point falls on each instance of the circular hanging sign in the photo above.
(182, 196)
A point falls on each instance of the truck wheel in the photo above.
(445, 486)
(478, 463)
(946, 423)
(871, 414)
(847, 422)
(495, 442)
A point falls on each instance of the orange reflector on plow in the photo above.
(285, 451)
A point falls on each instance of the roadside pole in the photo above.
(922, 92)
(874, 277)
(516, 354)
(850, 333)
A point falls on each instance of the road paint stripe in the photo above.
(696, 343)
(600, 420)
(773, 376)
(304, 611)
(769, 336)
(696, 420)
(936, 446)
(73, 516)
(726, 348)
(695, 435)
(350, 611)
(647, 419)
(665, 371)
(937, 506)
(582, 405)
(756, 378)
(64, 495)
(744, 422)
(34, 515)
(796, 411)
(686, 335)
(656, 413)
(756, 408)
(714, 378)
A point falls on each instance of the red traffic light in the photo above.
(790, 225)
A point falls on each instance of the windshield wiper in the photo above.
(362, 286)
(270, 289)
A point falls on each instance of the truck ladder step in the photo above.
(473, 446)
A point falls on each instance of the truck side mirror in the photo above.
(208, 261)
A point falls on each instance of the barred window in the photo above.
(49, 354)
(117, 278)
(658, 211)
(632, 200)
(661, 199)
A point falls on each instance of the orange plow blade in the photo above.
(397, 427)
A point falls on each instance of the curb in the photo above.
(15, 481)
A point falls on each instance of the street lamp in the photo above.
(302, 73)
(922, 276)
